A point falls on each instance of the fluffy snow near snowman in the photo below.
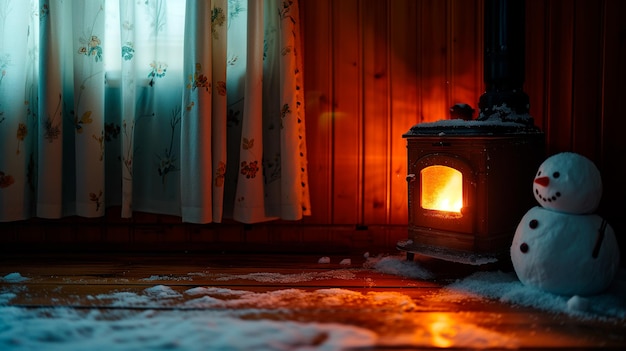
(561, 246)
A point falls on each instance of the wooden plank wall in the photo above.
(575, 55)
(374, 68)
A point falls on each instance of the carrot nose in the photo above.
(543, 181)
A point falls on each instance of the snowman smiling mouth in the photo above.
(545, 182)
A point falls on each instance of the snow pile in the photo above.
(324, 260)
(459, 123)
(503, 113)
(280, 278)
(71, 329)
(13, 278)
(6, 296)
(169, 277)
(160, 296)
(398, 265)
(506, 287)
(201, 318)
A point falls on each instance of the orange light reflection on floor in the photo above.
(442, 330)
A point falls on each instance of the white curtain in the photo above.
(191, 108)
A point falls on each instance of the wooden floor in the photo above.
(402, 313)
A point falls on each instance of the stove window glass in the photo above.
(441, 189)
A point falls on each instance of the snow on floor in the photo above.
(398, 265)
(14, 277)
(199, 318)
(71, 329)
(160, 317)
(280, 278)
(226, 319)
(505, 287)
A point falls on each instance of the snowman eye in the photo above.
(533, 224)
(556, 174)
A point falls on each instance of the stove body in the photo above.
(496, 172)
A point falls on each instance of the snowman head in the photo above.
(568, 182)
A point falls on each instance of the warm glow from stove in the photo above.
(443, 330)
(442, 189)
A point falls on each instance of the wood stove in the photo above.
(468, 187)
(470, 181)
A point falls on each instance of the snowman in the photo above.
(561, 246)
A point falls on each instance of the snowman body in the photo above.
(562, 247)
(564, 253)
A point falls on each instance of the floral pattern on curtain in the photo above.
(190, 108)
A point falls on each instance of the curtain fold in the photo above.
(87, 111)
(250, 202)
(190, 108)
(293, 190)
(196, 139)
(18, 109)
(50, 104)
(127, 98)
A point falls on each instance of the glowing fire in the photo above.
(442, 189)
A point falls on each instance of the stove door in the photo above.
(442, 194)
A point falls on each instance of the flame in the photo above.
(442, 189)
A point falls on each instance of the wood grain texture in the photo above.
(404, 100)
(587, 71)
(613, 146)
(347, 118)
(536, 66)
(375, 97)
(317, 34)
(559, 125)
(404, 313)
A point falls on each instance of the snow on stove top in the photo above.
(503, 120)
